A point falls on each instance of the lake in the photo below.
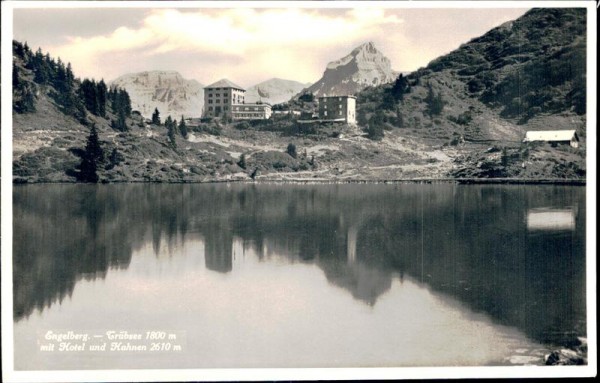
(272, 275)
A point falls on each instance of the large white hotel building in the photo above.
(226, 99)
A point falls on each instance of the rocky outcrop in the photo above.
(166, 90)
(567, 356)
(274, 91)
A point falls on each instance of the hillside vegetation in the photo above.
(462, 116)
(527, 74)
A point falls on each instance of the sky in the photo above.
(246, 45)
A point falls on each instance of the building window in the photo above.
(339, 99)
(210, 95)
(225, 101)
(227, 108)
(217, 94)
(325, 113)
(340, 112)
(340, 106)
(210, 108)
(218, 101)
(324, 106)
(210, 101)
(225, 94)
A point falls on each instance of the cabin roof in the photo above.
(551, 135)
(224, 83)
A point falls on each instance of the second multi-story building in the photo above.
(337, 108)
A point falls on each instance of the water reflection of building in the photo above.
(218, 250)
(550, 219)
(351, 244)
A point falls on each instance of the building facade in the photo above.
(337, 108)
(257, 111)
(554, 137)
(226, 99)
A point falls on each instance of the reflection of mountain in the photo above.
(469, 242)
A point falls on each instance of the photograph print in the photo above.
(200, 190)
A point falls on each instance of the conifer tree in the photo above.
(101, 96)
(92, 156)
(120, 124)
(375, 129)
(124, 102)
(18, 49)
(60, 78)
(183, 128)
(16, 82)
(156, 117)
(400, 87)
(171, 126)
(242, 162)
(23, 94)
(114, 159)
(88, 93)
(435, 102)
(291, 150)
(40, 68)
(70, 77)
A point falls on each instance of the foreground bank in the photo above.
(336, 153)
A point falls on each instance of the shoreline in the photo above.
(460, 181)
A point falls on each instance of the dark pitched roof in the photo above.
(224, 83)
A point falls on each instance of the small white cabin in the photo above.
(553, 136)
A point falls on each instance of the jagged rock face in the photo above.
(274, 91)
(166, 90)
(364, 66)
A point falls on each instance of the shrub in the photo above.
(243, 125)
(291, 150)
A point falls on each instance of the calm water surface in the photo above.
(300, 276)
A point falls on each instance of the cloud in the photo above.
(255, 43)
(250, 45)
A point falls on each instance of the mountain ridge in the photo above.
(363, 66)
(166, 90)
(274, 90)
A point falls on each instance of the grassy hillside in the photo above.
(528, 74)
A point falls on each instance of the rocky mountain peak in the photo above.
(368, 47)
(166, 90)
(364, 66)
